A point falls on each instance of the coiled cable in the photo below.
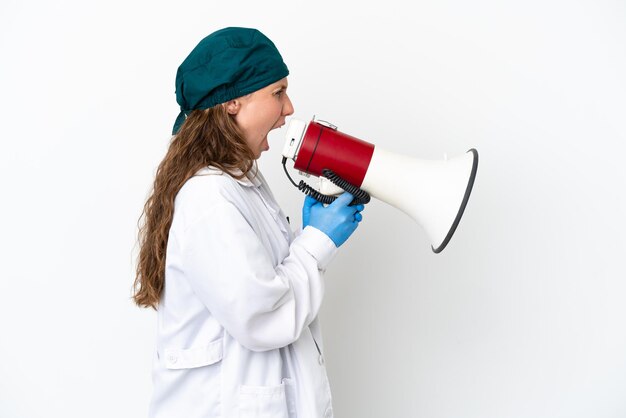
(361, 197)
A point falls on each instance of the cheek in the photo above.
(258, 119)
(264, 121)
(247, 121)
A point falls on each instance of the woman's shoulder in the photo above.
(205, 191)
(208, 185)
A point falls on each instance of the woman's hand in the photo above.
(337, 220)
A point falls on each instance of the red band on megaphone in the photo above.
(323, 147)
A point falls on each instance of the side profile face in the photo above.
(258, 113)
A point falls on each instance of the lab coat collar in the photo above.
(252, 179)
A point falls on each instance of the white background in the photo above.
(523, 315)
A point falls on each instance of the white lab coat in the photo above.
(238, 334)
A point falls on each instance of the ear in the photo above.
(233, 106)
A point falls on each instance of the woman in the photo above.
(237, 294)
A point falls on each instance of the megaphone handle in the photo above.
(361, 197)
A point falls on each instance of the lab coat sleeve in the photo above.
(261, 305)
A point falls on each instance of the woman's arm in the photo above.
(262, 306)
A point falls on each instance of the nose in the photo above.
(288, 107)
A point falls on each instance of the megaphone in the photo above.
(432, 193)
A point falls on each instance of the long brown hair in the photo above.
(207, 137)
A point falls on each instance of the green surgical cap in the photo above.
(227, 64)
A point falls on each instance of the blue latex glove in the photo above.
(306, 210)
(337, 220)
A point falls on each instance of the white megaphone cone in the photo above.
(433, 193)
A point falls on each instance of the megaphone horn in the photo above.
(432, 193)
